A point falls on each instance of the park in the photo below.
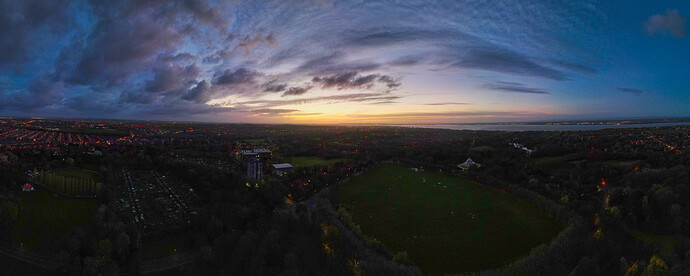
(445, 223)
(43, 218)
(72, 182)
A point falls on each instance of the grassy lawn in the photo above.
(544, 160)
(44, 218)
(666, 242)
(456, 226)
(308, 161)
(76, 182)
(167, 245)
(77, 173)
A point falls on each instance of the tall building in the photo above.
(254, 169)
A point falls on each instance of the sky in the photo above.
(343, 62)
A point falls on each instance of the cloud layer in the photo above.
(231, 60)
(670, 23)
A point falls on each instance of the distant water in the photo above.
(527, 127)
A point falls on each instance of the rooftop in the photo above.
(282, 166)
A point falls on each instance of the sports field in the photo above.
(73, 182)
(44, 218)
(445, 223)
(308, 161)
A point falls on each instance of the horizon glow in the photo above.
(344, 62)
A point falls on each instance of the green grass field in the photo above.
(78, 173)
(167, 245)
(544, 160)
(73, 182)
(44, 218)
(456, 226)
(667, 242)
(308, 161)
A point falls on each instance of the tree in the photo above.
(105, 247)
(656, 267)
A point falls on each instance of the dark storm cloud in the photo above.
(514, 87)
(200, 93)
(296, 91)
(670, 22)
(172, 76)
(128, 35)
(635, 91)
(230, 77)
(18, 19)
(168, 57)
(119, 48)
(354, 80)
(90, 104)
(40, 92)
(505, 61)
(274, 86)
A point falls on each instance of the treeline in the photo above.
(364, 255)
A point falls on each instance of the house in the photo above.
(468, 163)
(27, 187)
(281, 168)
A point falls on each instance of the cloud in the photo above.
(334, 63)
(466, 51)
(447, 103)
(230, 77)
(19, 19)
(274, 86)
(455, 114)
(354, 80)
(117, 49)
(296, 91)
(408, 60)
(172, 76)
(169, 57)
(635, 91)
(576, 67)
(40, 93)
(514, 87)
(200, 93)
(272, 111)
(505, 61)
(669, 23)
(354, 97)
(384, 102)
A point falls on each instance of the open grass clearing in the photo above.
(43, 218)
(445, 223)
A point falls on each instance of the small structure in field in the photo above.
(27, 187)
(469, 163)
